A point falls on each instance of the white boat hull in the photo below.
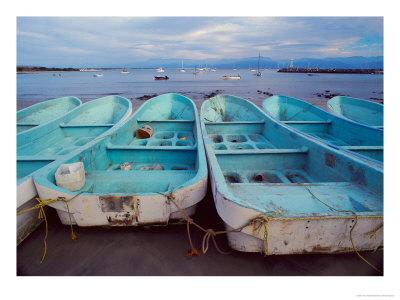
(132, 210)
(29, 221)
(296, 236)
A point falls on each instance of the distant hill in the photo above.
(354, 62)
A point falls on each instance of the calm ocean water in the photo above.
(44, 86)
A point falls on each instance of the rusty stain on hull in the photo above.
(330, 160)
(118, 203)
(121, 210)
(123, 219)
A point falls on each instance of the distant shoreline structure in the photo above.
(335, 71)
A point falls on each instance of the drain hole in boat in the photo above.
(220, 147)
(182, 143)
(152, 168)
(257, 138)
(263, 177)
(179, 168)
(164, 135)
(184, 135)
(262, 146)
(295, 177)
(236, 138)
(217, 139)
(241, 146)
(139, 142)
(161, 143)
(233, 177)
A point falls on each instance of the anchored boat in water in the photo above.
(231, 77)
(131, 174)
(280, 192)
(43, 145)
(43, 112)
(329, 128)
(362, 111)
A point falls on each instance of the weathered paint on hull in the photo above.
(103, 210)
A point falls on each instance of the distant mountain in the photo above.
(354, 62)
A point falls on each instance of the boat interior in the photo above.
(264, 165)
(40, 113)
(358, 110)
(322, 125)
(123, 163)
(38, 148)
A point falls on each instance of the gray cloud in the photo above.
(96, 40)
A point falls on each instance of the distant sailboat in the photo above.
(182, 69)
(160, 70)
(231, 77)
(258, 67)
(124, 72)
(195, 72)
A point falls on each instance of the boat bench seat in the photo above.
(248, 127)
(140, 121)
(28, 124)
(168, 125)
(363, 148)
(62, 125)
(261, 151)
(165, 147)
(307, 122)
(28, 158)
(309, 126)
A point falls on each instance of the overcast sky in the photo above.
(85, 41)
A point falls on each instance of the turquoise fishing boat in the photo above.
(362, 111)
(281, 192)
(42, 145)
(131, 174)
(329, 128)
(43, 112)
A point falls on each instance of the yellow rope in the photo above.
(263, 220)
(42, 215)
(373, 232)
(351, 230)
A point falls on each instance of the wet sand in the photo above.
(101, 251)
